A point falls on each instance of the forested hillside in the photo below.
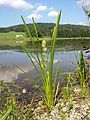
(46, 29)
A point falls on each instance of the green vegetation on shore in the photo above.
(49, 88)
(9, 38)
(77, 85)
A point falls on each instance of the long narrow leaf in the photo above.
(36, 32)
(24, 48)
(6, 114)
(53, 47)
(28, 32)
(54, 86)
(26, 28)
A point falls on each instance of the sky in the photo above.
(42, 11)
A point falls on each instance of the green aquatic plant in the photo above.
(6, 115)
(8, 102)
(66, 93)
(81, 69)
(10, 110)
(9, 114)
(82, 75)
(43, 66)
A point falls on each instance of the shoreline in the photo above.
(11, 44)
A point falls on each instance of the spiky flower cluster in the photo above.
(44, 54)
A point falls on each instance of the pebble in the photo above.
(80, 111)
(40, 103)
(24, 91)
(58, 105)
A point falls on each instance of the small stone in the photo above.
(24, 91)
(64, 109)
(62, 104)
(58, 105)
(77, 90)
(39, 110)
(40, 103)
(84, 113)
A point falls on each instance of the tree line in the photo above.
(46, 29)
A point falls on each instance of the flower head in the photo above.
(43, 43)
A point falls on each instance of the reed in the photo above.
(9, 114)
(83, 75)
(81, 69)
(43, 66)
(5, 116)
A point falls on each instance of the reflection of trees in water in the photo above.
(3, 69)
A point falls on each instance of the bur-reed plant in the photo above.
(9, 114)
(8, 104)
(82, 75)
(43, 66)
(65, 93)
(6, 115)
(81, 69)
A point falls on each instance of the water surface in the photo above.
(12, 61)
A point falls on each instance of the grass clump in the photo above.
(8, 102)
(82, 74)
(43, 66)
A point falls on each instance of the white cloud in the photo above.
(41, 8)
(17, 4)
(51, 8)
(52, 13)
(82, 23)
(35, 16)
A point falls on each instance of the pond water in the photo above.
(15, 65)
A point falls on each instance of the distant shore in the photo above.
(8, 40)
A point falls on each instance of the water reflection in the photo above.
(14, 64)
